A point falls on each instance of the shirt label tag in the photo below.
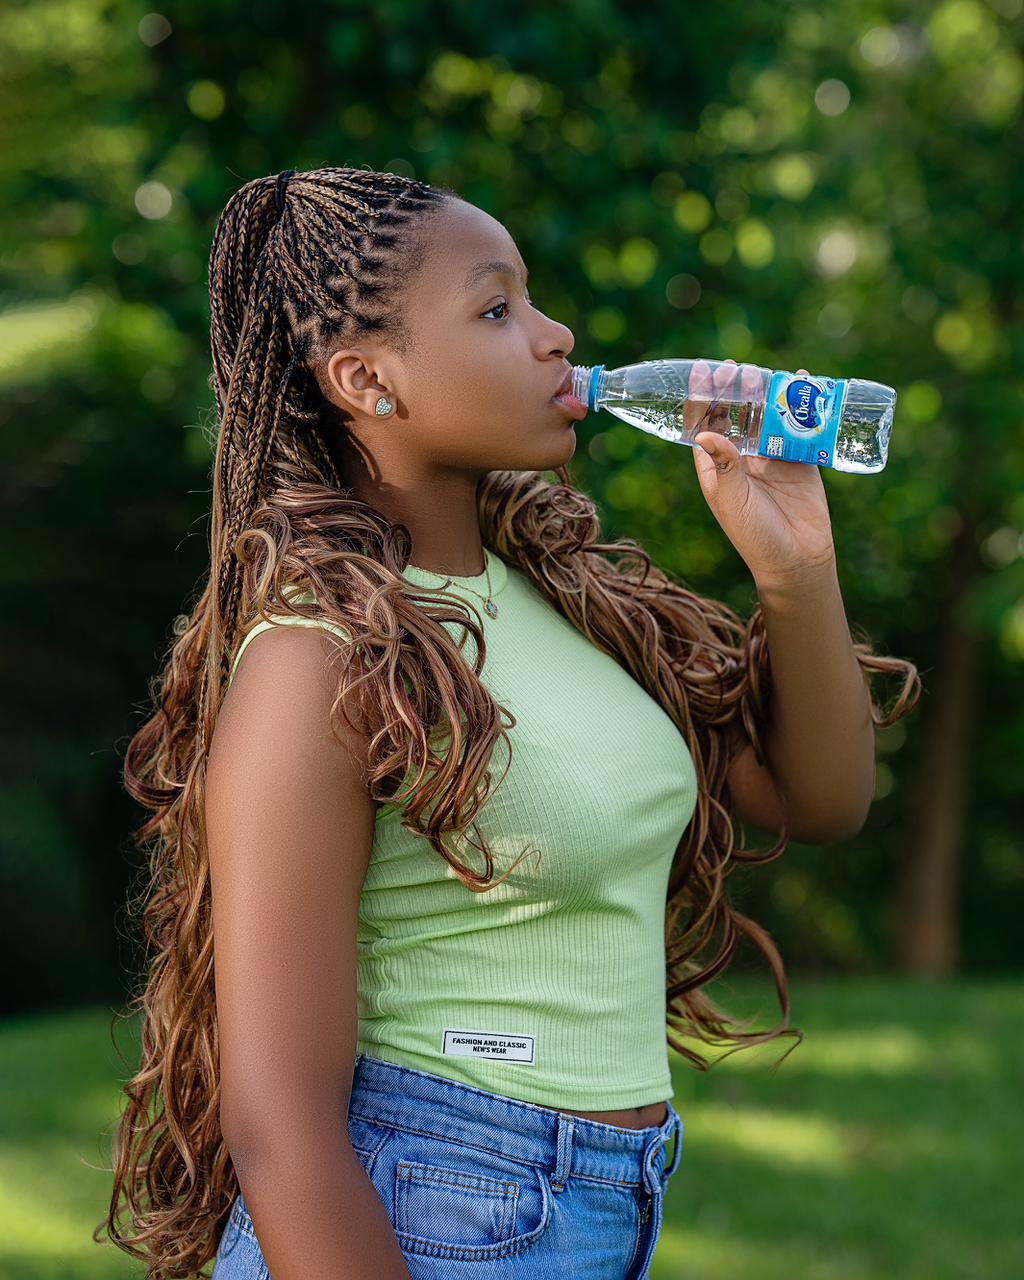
(488, 1044)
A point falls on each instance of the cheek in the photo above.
(477, 381)
(462, 389)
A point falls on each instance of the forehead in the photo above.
(468, 244)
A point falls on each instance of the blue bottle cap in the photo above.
(592, 389)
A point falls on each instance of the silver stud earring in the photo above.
(384, 407)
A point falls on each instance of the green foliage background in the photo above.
(834, 188)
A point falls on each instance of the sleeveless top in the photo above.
(549, 988)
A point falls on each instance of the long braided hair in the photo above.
(298, 267)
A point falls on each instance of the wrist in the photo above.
(799, 581)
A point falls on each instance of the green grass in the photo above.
(888, 1145)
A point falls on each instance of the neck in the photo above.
(437, 506)
(447, 571)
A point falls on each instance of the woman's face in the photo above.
(475, 393)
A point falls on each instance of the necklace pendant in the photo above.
(491, 608)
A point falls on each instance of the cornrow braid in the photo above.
(295, 268)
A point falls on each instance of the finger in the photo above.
(752, 390)
(751, 382)
(724, 375)
(699, 391)
(710, 387)
(725, 380)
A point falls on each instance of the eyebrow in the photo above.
(491, 268)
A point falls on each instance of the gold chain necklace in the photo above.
(489, 605)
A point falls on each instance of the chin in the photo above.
(542, 457)
(548, 458)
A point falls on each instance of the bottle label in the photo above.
(801, 419)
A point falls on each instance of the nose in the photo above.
(563, 337)
(569, 340)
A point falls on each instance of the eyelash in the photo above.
(506, 306)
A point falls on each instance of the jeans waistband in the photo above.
(569, 1146)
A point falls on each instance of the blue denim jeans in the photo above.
(480, 1185)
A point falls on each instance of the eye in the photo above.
(505, 305)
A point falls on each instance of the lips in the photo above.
(570, 405)
(566, 401)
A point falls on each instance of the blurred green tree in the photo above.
(769, 182)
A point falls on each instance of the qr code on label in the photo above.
(774, 447)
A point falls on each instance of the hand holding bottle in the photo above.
(774, 513)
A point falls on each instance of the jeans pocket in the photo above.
(452, 1200)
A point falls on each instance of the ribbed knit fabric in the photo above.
(551, 987)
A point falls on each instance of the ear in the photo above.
(359, 380)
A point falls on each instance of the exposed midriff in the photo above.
(628, 1118)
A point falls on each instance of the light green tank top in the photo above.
(551, 987)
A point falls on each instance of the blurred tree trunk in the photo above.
(927, 942)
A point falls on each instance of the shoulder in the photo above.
(294, 596)
(283, 620)
(289, 676)
(283, 699)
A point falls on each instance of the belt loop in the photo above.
(677, 1133)
(661, 1139)
(563, 1159)
(649, 1156)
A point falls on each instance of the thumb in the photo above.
(721, 451)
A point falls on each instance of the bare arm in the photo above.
(820, 743)
(290, 828)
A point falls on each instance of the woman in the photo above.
(408, 1056)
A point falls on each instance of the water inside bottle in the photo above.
(862, 446)
(659, 409)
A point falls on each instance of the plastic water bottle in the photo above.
(828, 422)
